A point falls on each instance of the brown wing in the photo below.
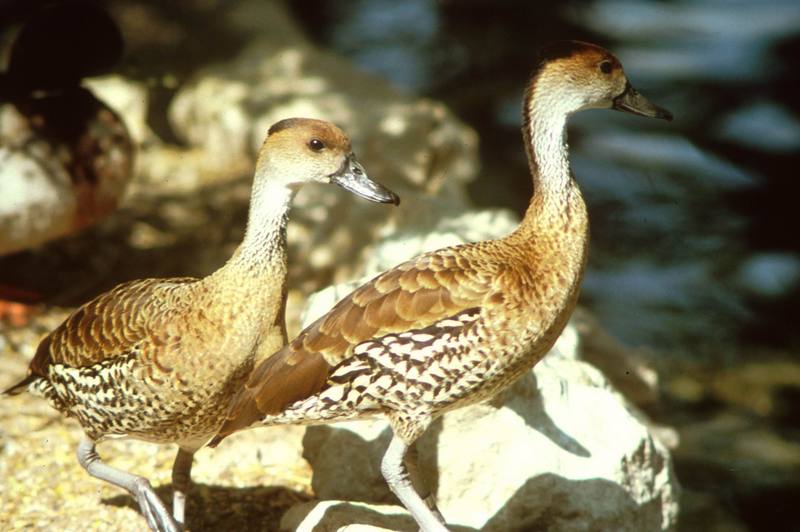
(107, 326)
(413, 295)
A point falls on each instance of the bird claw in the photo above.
(154, 511)
(430, 502)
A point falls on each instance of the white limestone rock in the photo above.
(129, 99)
(347, 516)
(343, 516)
(227, 108)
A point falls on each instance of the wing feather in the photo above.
(110, 325)
(413, 295)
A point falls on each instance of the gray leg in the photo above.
(418, 481)
(151, 506)
(394, 471)
(181, 482)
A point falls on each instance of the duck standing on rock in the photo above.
(457, 325)
(65, 156)
(159, 359)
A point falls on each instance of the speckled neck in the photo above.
(557, 205)
(263, 249)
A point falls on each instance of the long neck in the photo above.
(557, 204)
(263, 250)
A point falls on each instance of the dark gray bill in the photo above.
(352, 176)
(631, 101)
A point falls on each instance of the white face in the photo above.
(299, 151)
(296, 158)
(600, 80)
(576, 76)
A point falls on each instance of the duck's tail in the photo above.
(21, 386)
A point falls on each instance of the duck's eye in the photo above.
(316, 145)
(606, 67)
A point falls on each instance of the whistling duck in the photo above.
(65, 156)
(158, 359)
(457, 325)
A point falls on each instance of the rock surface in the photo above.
(335, 516)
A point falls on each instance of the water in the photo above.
(693, 226)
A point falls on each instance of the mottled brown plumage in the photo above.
(411, 296)
(456, 325)
(158, 359)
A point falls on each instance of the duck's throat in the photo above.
(557, 204)
(263, 249)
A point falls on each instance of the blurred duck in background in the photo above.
(65, 156)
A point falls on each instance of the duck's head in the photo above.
(304, 150)
(578, 75)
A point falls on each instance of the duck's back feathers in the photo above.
(412, 296)
(128, 319)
